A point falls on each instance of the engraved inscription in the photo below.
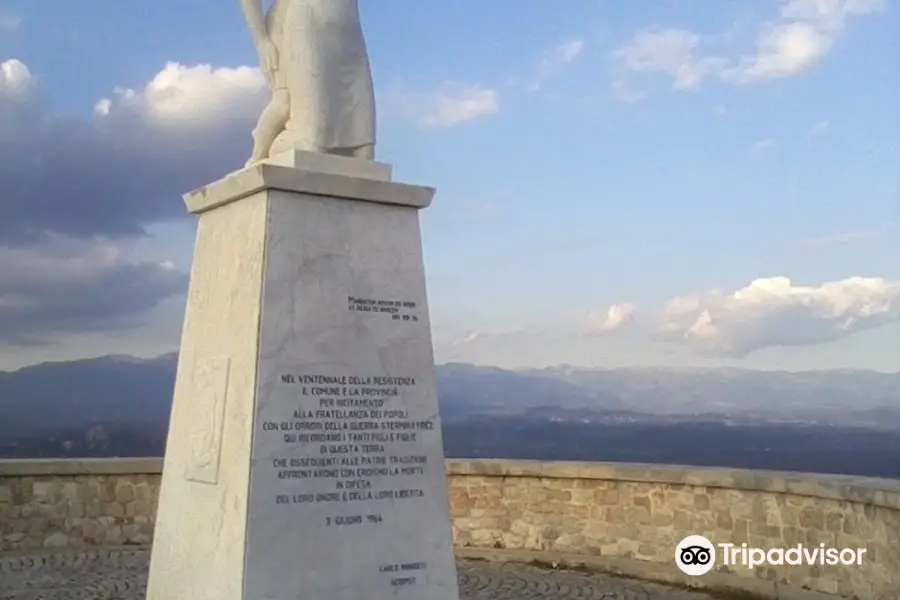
(398, 310)
(209, 387)
(348, 443)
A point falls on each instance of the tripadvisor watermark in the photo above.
(695, 555)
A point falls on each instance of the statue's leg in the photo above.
(271, 123)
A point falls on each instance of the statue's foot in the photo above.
(366, 152)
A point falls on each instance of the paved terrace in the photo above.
(121, 574)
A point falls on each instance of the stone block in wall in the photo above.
(54, 511)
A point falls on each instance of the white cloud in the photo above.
(191, 94)
(468, 338)
(68, 182)
(782, 50)
(557, 59)
(775, 312)
(128, 164)
(597, 323)
(570, 50)
(803, 34)
(669, 51)
(15, 78)
(613, 319)
(452, 342)
(450, 106)
(77, 192)
(453, 103)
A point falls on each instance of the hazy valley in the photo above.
(825, 421)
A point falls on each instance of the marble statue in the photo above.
(313, 55)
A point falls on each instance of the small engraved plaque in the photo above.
(206, 419)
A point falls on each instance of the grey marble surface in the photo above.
(348, 495)
(122, 574)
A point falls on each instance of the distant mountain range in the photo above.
(117, 405)
(119, 389)
(846, 398)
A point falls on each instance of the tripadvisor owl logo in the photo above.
(695, 555)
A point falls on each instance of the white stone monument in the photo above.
(304, 457)
(313, 54)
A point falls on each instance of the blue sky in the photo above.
(612, 178)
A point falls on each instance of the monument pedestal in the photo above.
(304, 457)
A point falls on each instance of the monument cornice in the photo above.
(262, 177)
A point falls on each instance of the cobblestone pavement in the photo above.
(122, 575)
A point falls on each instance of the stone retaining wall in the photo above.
(642, 512)
(623, 517)
(75, 503)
